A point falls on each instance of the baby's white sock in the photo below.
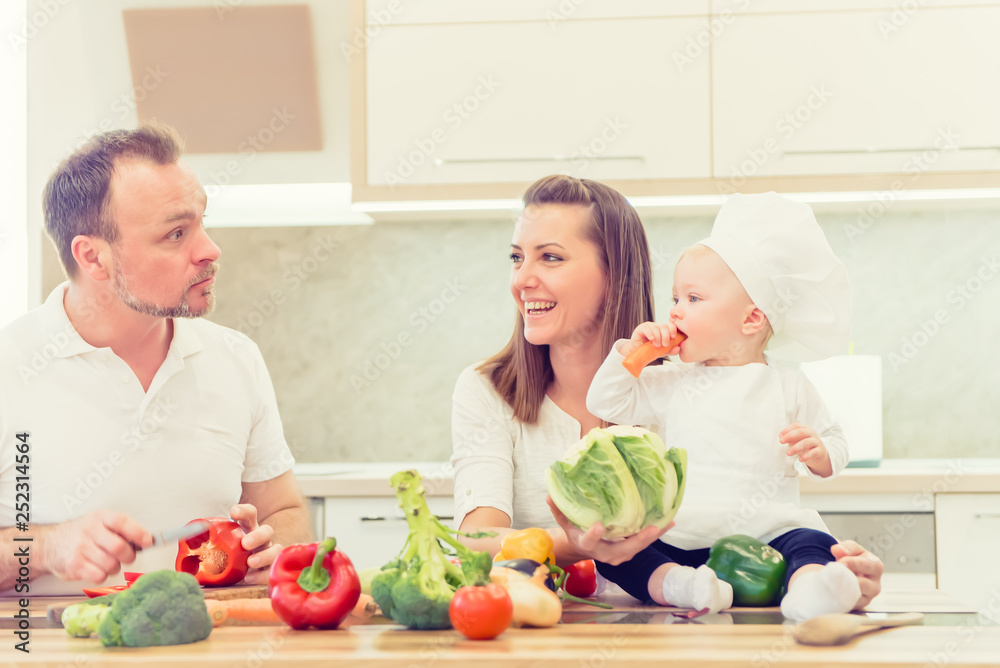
(833, 588)
(699, 588)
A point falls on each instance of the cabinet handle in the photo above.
(987, 516)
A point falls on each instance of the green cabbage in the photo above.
(623, 477)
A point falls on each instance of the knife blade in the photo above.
(174, 535)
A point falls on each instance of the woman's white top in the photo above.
(499, 461)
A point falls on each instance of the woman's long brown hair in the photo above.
(521, 372)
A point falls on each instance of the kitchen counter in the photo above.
(893, 476)
(630, 635)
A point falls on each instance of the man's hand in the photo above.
(863, 564)
(258, 541)
(805, 443)
(93, 546)
(590, 544)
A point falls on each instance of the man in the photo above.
(121, 411)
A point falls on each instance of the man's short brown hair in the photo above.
(77, 196)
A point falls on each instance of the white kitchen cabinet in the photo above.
(371, 530)
(839, 93)
(967, 527)
(511, 102)
(403, 12)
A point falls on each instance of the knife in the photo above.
(174, 535)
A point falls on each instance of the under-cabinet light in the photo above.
(282, 205)
(431, 206)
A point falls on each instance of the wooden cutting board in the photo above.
(229, 593)
(53, 612)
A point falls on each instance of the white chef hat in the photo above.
(778, 252)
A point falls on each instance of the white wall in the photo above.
(13, 233)
(80, 83)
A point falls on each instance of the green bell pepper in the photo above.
(754, 569)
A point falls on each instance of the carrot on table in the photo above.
(242, 610)
(365, 607)
(637, 360)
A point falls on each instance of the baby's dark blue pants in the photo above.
(799, 547)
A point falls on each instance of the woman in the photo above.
(581, 279)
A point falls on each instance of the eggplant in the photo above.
(526, 566)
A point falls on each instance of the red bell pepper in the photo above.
(130, 578)
(104, 591)
(313, 585)
(216, 557)
(581, 579)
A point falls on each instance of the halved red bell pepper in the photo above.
(313, 585)
(216, 557)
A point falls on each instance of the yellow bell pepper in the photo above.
(533, 543)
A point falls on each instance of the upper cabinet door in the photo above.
(854, 92)
(509, 102)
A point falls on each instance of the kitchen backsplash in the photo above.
(364, 329)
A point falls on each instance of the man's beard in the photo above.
(182, 310)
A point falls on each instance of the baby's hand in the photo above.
(804, 442)
(659, 333)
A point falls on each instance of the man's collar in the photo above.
(56, 325)
(185, 341)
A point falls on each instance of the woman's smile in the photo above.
(537, 309)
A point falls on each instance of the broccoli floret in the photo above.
(161, 608)
(416, 589)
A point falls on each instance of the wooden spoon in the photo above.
(839, 628)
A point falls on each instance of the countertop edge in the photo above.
(893, 477)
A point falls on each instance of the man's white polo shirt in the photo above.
(179, 451)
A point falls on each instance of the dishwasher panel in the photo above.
(903, 541)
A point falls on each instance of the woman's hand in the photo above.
(863, 564)
(590, 545)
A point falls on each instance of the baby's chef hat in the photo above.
(778, 252)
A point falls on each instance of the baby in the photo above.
(765, 278)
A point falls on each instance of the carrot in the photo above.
(366, 607)
(242, 610)
(637, 360)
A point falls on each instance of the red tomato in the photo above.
(581, 579)
(481, 613)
